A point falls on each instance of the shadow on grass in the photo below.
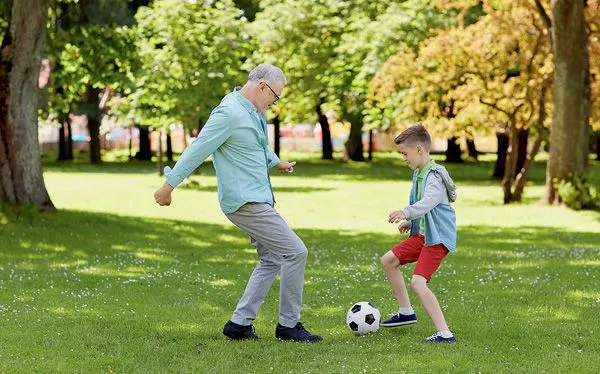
(197, 186)
(385, 167)
(106, 245)
(167, 287)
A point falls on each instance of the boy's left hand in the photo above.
(396, 216)
(404, 227)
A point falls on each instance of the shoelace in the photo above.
(303, 331)
(251, 331)
(432, 337)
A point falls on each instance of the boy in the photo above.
(432, 225)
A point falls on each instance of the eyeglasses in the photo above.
(274, 94)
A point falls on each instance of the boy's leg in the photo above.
(429, 301)
(390, 264)
(403, 253)
(428, 262)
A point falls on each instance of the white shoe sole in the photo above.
(398, 324)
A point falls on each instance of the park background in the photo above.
(97, 96)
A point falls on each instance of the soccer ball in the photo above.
(363, 318)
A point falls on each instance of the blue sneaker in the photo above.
(436, 338)
(399, 320)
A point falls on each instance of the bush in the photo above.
(579, 193)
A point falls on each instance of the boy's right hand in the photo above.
(404, 227)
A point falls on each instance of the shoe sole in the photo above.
(236, 337)
(398, 324)
(296, 340)
(440, 342)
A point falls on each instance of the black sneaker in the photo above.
(399, 320)
(239, 332)
(437, 338)
(297, 334)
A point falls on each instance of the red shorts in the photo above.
(428, 258)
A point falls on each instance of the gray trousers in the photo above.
(279, 250)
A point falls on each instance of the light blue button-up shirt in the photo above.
(236, 136)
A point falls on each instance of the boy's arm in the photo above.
(433, 192)
(214, 133)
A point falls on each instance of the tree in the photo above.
(190, 55)
(89, 42)
(21, 178)
(372, 34)
(331, 50)
(491, 74)
(569, 135)
(300, 38)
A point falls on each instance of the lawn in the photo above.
(113, 283)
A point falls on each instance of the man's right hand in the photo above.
(162, 196)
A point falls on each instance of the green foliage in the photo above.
(330, 50)
(579, 193)
(464, 81)
(5, 14)
(191, 54)
(89, 46)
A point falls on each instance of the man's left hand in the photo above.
(286, 167)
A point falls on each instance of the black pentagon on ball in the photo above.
(370, 318)
(356, 308)
(353, 326)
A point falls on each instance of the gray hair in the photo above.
(267, 72)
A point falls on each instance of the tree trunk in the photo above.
(130, 145)
(144, 153)
(522, 175)
(453, 152)
(370, 145)
(502, 141)
(95, 146)
(93, 113)
(354, 146)
(169, 147)
(327, 146)
(159, 155)
(471, 149)
(69, 140)
(277, 135)
(62, 140)
(511, 162)
(21, 176)
(523, 137)
(570, 121)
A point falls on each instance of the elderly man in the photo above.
(236, 135)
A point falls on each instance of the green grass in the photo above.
(113, 283)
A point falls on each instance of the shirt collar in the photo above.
(245, 102)
(426, 168)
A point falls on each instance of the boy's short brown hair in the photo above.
(415, 134)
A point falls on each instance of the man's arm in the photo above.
(272, 158)
(214, 133)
